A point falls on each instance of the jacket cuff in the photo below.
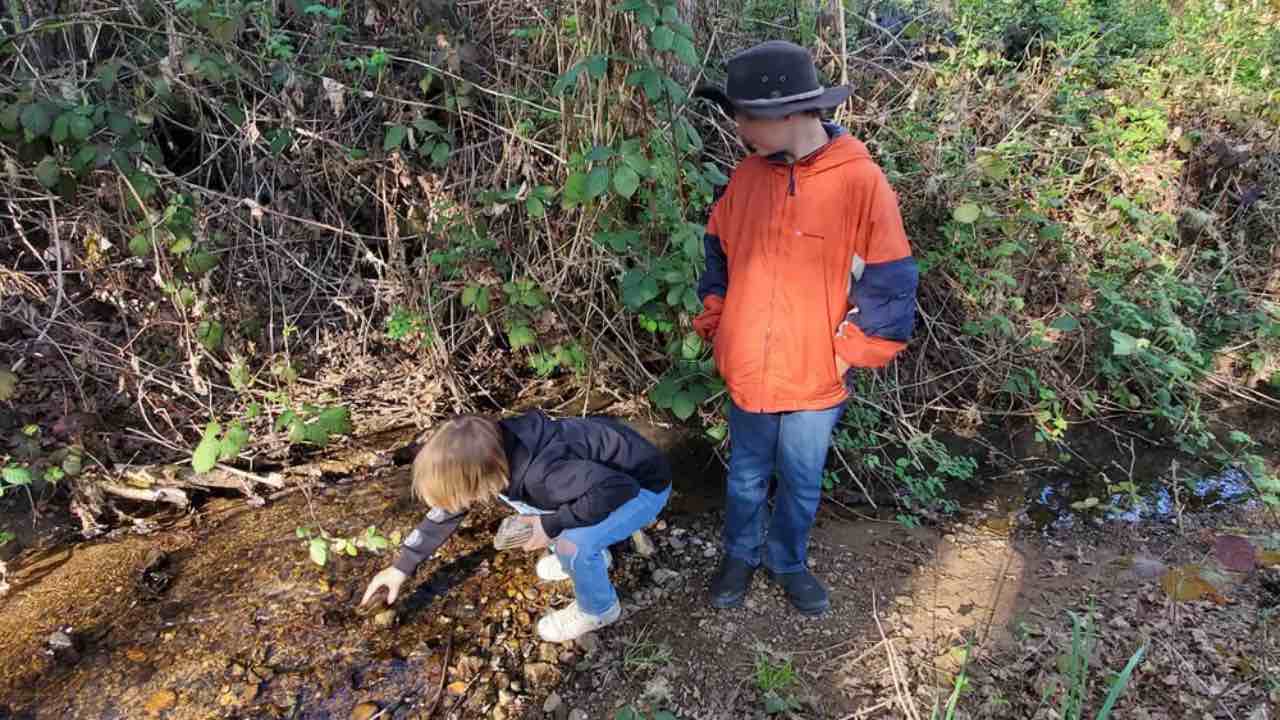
(708, 321)
(407, 563)
(552, 525)
(865, 351)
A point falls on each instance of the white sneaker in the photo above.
(571, 623)
(550, 569)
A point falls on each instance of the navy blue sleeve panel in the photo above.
(884, 299)
(426, 538)
(597, 491)
(715, 278)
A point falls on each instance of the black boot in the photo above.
(730, 585)
(804, 591)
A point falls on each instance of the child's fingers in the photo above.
(374, 587)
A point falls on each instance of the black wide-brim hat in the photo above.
(772, 80)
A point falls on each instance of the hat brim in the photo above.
(830, 98)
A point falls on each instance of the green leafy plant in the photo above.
(320, 544)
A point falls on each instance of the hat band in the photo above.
(766, 102)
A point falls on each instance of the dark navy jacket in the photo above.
(578, 469)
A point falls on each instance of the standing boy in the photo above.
(808, 273)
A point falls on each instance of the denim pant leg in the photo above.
(803, 441)
(582, 556)
(752, 456)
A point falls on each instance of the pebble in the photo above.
(589, 643)
(663, 576)
(578, 714)
(384, 619)
(709, 551)
(548, 653)
(364, 711)
(59, 640)
(505, 697)
(676, 544)
(530, 594)
(553, 702)
(136, 654)
(541, 674)
(160, 701)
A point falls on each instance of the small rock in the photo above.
(660, 525)
(541, 674)
(505, 697)
(709, 551)
(676, 543)
(553, 702)
(548, 653)
(589, 643)
(1118, 622)
(364, 711)
(904, 601)
(578, 714)
(663, 576)
(530, 593)
(136, 654)
(160, 701)
(385, 619)
(643, 544)
(60, 640)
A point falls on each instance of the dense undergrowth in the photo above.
(211, 203)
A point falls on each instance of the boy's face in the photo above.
(764, 137)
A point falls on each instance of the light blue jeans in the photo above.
(581, 549)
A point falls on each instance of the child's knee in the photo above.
(566, 549)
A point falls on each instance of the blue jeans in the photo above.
(582, 557)
(795, 445)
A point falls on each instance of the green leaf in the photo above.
(639, 288)
(618, 241)
(140, 246)
(626, 181)
(599, 154)
(240, 376)
(639, 163)
(37, 119)
(61, 129)
(967, 214)
(201, 261)
(568, 80)
(280, 141)
(206, 454)
(48, 172)
(1123, 343)
(81, 127)
(597, 182)
(1066, 323)
(713, 174)
(336, 420)
(521, 336)
(394, 138)
(684, 405)
(316, 434)
(120, 123)
(319, 551)
(575, 190)
(11, 118)
(16, 475)
(297, 431)
(8, 385)
(440, 154)
(718, 432)
(685, 51)
(235, 439)
(73, 464)
(691, 346)
(108, 73)
(182, 243)
(650, 80)
(428, 127)
(597, 65)
(663, 715)
(662, 38)
(87, 156)
(664, 393)
(535, 208)
(209, 333)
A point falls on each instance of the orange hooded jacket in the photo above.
(805, 261)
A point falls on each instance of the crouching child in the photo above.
(580, 484)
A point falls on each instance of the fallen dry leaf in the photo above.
(1185, 584)
(1269, 558)
(457, 688)
(1235, 553)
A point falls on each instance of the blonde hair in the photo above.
(463, 462)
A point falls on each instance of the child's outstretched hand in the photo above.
(391, 579)
(538, 539)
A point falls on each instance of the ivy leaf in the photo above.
(319, 551)
(535, 208)
(1066, 323)
(662, 38)
(966, 214)
(61, 129)
(37, 119)
(639, 288)
(1123, 343)
(336, 420)
(81, 127)
(140, 246)
(394, 138)
(683, 405)
(521, 336)
(597, 182)
(685, 51)
(206, 454)
(233, 442)
(48, 172)
(626, 181)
